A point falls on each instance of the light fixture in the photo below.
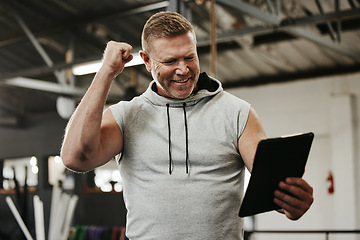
(34, 169)
(33, 161)
(94, 66)
(57, 159)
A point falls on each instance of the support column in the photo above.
(43, 175)
(43, 189)
(1, 173)
(79, 216)
(180, 7)
(343, 160)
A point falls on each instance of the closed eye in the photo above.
(169, 62)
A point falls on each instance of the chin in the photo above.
(181, 95)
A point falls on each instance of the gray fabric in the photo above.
(203, 204)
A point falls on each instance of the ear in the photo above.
(146, 60)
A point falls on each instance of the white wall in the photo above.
(330, 108)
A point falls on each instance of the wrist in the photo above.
(111, 68)
(106, 74)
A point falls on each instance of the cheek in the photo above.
(158, 68)
(194, 66)
(163, 71)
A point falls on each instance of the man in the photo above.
(184, 143)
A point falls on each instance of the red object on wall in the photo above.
(330, 181)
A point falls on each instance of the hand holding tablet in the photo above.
(275, 160)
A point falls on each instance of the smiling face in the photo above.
(174, 65)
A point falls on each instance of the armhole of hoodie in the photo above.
(117, 111)
(243, 116)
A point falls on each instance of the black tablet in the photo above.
(275, 160)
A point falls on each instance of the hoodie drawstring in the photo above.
(186, 138)
(169, 137)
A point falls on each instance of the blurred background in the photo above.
(297, 62)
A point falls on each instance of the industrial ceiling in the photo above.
(257, 42)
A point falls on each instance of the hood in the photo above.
(208, 86)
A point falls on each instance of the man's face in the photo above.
(174, 65)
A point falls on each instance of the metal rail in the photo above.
(248, 234)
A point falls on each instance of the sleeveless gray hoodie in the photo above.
(181, 168)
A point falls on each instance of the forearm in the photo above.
(81, 145)
(88, 141)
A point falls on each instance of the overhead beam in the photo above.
(326, 17)
(296, 31)
(59, 75)
(44, 86)
(222, 37)
(315, 38)
(56, 88)
(44, 70)
(35, 71)
(250, 10)
(286, 23)
(71, 23)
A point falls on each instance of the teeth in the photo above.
(181, 81)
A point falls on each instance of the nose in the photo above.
(182, 68)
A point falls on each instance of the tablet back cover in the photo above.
(275, 160)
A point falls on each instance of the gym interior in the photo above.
(296, 62)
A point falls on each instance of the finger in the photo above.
(290, 211)
(128, 59)
(126, 53)
(293, 207)
(126, 50)
(293, 198)
(290, 202)
(298, 188)
(301, 183)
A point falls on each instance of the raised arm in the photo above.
(92, 137)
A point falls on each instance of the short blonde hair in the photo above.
(164, 25)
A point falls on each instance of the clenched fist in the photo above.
(116, 55)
